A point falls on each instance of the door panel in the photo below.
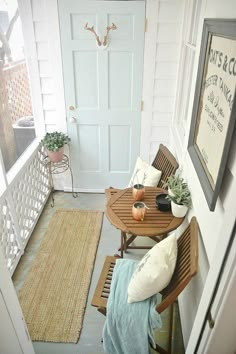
(126, 26)
(120, 68)
(85, 70)
(104, 84)
(119, 159)
(89, 158)
(77, 26)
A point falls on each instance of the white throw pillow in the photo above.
(145, 174)
(154, 271)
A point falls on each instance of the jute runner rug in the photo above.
(54, 294)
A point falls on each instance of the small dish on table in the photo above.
(162, 203)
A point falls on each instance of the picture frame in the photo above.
(214, 107)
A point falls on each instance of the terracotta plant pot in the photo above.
(139, 211)
(56, 156)
(138, 192)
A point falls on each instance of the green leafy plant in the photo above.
(54, 141)
(174, 181)
(181, 195)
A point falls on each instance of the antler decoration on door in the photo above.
(105, 41)
(109, 28)
(93, 31)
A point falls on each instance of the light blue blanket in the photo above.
(129, 327)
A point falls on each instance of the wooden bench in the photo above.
(186, 268)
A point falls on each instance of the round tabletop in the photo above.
(156, 222)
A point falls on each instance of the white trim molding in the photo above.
(148, 76)
(25, 10)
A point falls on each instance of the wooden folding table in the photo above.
(155, 225)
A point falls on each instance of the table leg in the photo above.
(124, 242)
(122, 238)
(130, 240)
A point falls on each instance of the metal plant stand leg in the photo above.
(75, 194)
(52, 198)
(56, 168)
(52, 186)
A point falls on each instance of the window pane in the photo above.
(16, 117)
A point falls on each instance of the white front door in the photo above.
(103, 87)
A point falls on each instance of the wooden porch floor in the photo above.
(90, 339)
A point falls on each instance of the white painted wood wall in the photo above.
(215, 227)
(45, 38)
(161, 58)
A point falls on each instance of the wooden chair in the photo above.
(165, 162)
(186, 268)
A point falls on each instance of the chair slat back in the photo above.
(186, 265)
(165, 162)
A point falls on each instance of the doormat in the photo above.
(54, 294)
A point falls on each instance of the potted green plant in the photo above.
(180, 200)
(172, 182)
(54, 143)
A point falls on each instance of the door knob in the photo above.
(72, 120)
(71, 108)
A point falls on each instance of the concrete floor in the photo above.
(90, 339)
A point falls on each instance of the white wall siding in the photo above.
(47, 85)
(41, 40)
(164, 87)
(167, 70)
(170, 14)
(38, 10)
(164, 23)
(48, 61)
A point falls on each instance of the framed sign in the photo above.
(214, 109)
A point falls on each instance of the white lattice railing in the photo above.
(9, 242)
(20, 207)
